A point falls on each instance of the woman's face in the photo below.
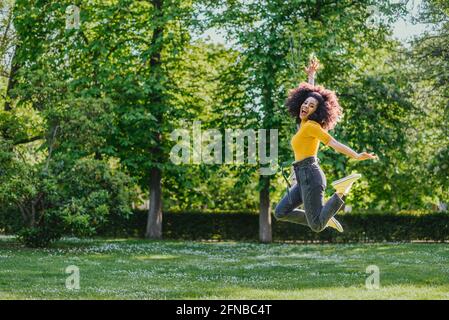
(308, 107)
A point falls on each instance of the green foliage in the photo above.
(362, 226)
(90, 107)
(44, 233)
(95, 196)
(430, 56)
(352, 51)
(78, 201)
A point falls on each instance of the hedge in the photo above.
(366, 227)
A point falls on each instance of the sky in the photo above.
(404, 29)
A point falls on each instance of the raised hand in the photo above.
(314, 64)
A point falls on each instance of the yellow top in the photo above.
(306, 141)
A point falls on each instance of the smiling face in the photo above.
(308, 107)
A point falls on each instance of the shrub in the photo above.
(42, 206)
(359, 227)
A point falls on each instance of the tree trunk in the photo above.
(265, 234)
(154, 223)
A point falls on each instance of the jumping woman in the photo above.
(316, 111)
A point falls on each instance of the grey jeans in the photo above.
(309, 190)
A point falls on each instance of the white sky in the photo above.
(403, 29)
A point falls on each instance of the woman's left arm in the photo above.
(340, 147)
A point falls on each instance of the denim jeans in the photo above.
(309, 190)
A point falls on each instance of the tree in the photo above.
(53, 121)
(430, 57)
(137, 74)
(338, 31)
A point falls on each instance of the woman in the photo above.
(316, 111)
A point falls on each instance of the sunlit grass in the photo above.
(138, 269)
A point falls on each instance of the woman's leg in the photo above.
(312, 189)
(286, 210)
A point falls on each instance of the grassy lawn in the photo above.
(137, 269)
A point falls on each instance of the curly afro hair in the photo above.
(328, 112)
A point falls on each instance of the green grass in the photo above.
(137, 269)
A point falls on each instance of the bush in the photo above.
(42, 236)
(41, 206)
(359, 227)
(96, 196)
(244, 226)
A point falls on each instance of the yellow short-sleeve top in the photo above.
(306, 141)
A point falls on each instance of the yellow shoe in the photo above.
(344, 184)
(333, 223)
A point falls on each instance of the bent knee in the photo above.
(317, 227)
(279, 213)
